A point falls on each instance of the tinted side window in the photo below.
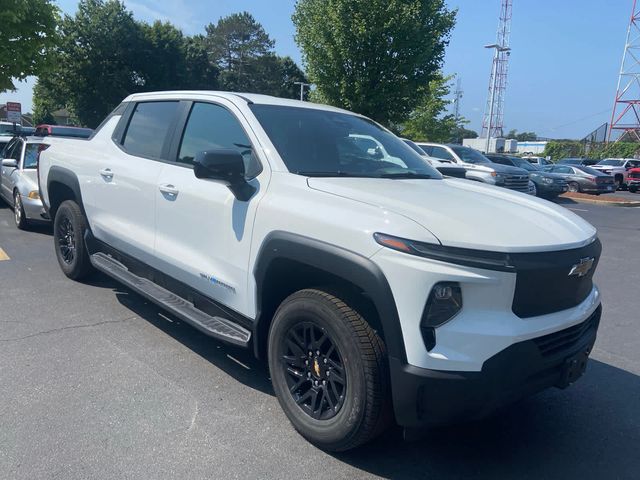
(440, 152)
(428, 149)
(14, 151)
(563, 169)
(148, 128)
(211, 127)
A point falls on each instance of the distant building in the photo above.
(496, 145)
(533, 148)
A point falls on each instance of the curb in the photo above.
(625, 203)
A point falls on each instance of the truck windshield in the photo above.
(470, 155)
(315, 142)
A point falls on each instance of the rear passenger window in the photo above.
(148, 128)
(212, 127)
(439, 152)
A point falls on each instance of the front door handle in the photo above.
(169, 189)
(106, 173)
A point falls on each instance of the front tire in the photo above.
(18, 212)
(69, 227)
(574, 187)
(329, 371)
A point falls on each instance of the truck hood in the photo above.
(496, 167)
(461, 213)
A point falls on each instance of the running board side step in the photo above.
(216, 327)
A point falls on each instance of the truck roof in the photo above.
(233, 97)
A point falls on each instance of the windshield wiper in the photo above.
(330, 174)
(412, 175)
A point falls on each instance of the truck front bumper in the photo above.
(424, 397)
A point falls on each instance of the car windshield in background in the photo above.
(470, 155)
(31, 155)
(571, 161)
(414, 147)
(321, 143)
(590, 171)
(524, 164)
(611, 161)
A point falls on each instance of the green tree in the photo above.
(235, 43)
(173, 61)
(522, 136)
(27, 34)
(100, 59)
(429, 121)
(372, 56)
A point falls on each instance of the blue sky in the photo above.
(562, 72)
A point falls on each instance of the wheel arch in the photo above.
(289, 262)
(62, 184)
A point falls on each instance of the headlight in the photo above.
(444, 303)
(460, 256)
(499, 177)
(547, 180)
(34, 195)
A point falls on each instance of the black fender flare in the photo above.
(345, 264)
(67, 178)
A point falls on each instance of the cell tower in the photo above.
(492, 122)
(626, 107)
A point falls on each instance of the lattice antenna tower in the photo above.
(493, 119)
(625, 117)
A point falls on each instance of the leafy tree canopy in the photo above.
(429, 121)
(522, 136)
(372, 56)
(27, 34)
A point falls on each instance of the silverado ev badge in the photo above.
(581, 268)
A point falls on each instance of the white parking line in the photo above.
(577, 209)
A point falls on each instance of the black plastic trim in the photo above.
(424, 397)
(345, 264)
(141, 269)
(67, 178)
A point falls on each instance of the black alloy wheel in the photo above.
(314, 371)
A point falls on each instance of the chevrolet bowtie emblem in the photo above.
(582, 268)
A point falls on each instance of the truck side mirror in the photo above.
(227, 166)
(9, 163)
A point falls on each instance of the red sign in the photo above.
(14, 112)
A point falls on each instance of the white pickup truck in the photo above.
(375, 290)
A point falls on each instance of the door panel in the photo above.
(203, 233)
(123, 186)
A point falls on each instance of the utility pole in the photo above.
(492, 122)
(625, 116)
(456, 105)
(302, 86)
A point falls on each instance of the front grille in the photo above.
(543, 283)
(565, 339)
(517, 182)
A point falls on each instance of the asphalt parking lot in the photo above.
(97, 383)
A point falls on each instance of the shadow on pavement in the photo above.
(591, 430)
(237, 362)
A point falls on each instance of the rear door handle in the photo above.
(106, 173)
(168, 189)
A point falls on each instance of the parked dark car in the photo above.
(548, 185)
(578, 161)
(633, 180)
(62, 131)
(584, 179)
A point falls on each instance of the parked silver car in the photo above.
(19, 180)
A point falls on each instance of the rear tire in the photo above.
(18, 212)
(69, 227)
(315, 334)
(633, 189)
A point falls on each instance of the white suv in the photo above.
(375, 289)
